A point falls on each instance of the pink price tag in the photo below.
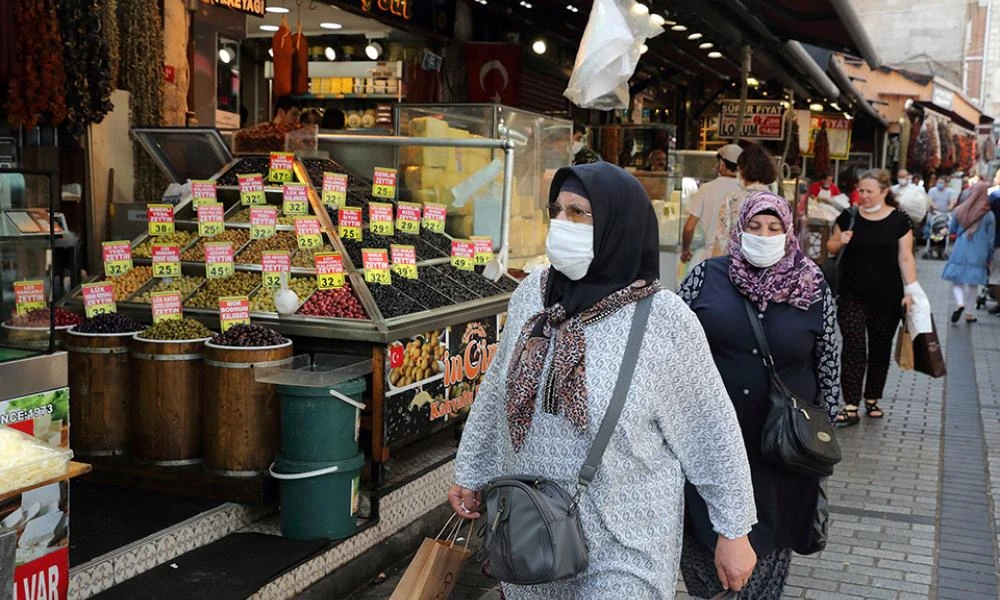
(385, 177)
(378, 211)
(307, 226)
(408, 212)
(166, 305)
(160, 213)
(282, 161)
(202, 191)
(264, 216)
(218, 252)
(211, 213)
(98, 293)
(349, 217)
(276, 262)
(165, 253)
(116, 251)
(403, 255)
(376, 260)
(329, 263)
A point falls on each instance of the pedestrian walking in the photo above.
(766, 267)
(975, 228)
(705, 204)
(550, 383)
(877, 282)
(994, 281)
(757, 172)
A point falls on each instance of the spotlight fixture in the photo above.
(695, 36)
(526, 4)
(706, 45)
(280, 10)
(836, 107)
(373, 50)
(270, 52)
(225, 56)
(571, 8)
(330, 53)
(268, 27)
(643, 49)
(816, 107)
(678, 27)
(539, 47)
(483, 2)
(753, 81)
(714, 54)
(640, 9)
(658, 20)
(329, 25)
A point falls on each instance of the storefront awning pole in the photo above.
(852, 23)
(745, 65)
(508, 185)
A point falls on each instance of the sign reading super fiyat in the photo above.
(250, 7)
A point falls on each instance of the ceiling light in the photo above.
(572, 8)
(678, 27)
(848, 117)
(816, 107)
(669, 22)
(658, 20)
(526, 4)
(373, 50)
(276, 9)
(328, 25)
(786, 104)
(836, 107)
(706, 45)
(714, 54)
(640, 9)
(268, 27)
(483, 2)
(225, 56)
(539, 47)
(643, 49)
(753, 81)
(695, 36)
(330, 53)
(764, 93)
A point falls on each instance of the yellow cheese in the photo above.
(419, 178)
(453, 178)
(424, 196)
(424, 156)
(458, 134)
(428, 127)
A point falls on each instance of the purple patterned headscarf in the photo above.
(795, 279)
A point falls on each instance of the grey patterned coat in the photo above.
(677, 422)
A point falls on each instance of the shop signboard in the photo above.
(838, 132)
(249, 7)
(432, 379)
(762, 119)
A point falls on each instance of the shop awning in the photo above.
(853, 93)
(832, 24)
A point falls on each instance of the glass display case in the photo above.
(632, 146)
(469, 181)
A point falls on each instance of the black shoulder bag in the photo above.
(831, 268)
(533, 529)
(797, 435)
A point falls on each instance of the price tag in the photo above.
(329, 270)
(334, 189)
(376, 263)
(203, 192)
(484, 248)
(211, 219)
(263, 220)
(166, 306)
(294, 199)
(434, 217)
(161, 219)
(117, 258)
(98, 298)
(404, 261)
(349, 223)
(281, 167)
(308, 233)
(380, 218)
(463, 254)
(166, 260)
(233, 310)
(273, 263)
(408, 217)
(384, 183)
(252, 189)
(28, 295)
(218, 260)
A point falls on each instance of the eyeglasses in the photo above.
(574, 213)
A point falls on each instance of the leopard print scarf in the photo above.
(566, 387)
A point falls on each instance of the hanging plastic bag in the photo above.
(609, 53)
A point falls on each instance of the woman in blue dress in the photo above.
(967, 266)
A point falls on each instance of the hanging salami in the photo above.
(300, 64)
(822, 151)
(284, 55)
(86, 58)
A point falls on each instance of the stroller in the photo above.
(939, 239)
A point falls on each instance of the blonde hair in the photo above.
(884, 183)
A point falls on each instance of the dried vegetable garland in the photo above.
(821, 149)
(142, 75)
(109, 29)
(934, 160)
(37, 83)
(947, 146)
(86, 59)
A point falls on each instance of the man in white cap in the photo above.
(706, 203)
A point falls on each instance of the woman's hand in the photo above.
(464, 502)
(845, 237)
(907, 304)
(734, 562)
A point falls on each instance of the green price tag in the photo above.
(219, 270)
(270, 280)
(209, 229)
(167, 269)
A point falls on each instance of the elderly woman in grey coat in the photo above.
(547, 390)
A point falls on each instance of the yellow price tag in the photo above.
(210, 229)
(405, 271)
(309, 241)
(381, 227)
(161, 228)
(270, 280)
(408, 226)
(379, 276)
(330, 281)
(167, 269)
(219, 270)
(280, 175)
(295, 207)
(262, 232)
(350, 233)
(116, 268)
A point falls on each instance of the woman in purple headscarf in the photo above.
(766, 268)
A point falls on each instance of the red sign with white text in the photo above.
(45, 578)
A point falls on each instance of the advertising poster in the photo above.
(762, 120)
(838, 131)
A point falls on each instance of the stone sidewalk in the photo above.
(915, 505)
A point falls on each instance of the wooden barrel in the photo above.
(100, 382)
(34, 338)
(165, 422)
(242, 424)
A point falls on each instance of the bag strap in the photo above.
(758, 332)
(850, 227)
(610, 421)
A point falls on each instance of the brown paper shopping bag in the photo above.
(434, 570)
(927, 355)
(904, 349)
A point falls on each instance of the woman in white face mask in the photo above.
(765, 270)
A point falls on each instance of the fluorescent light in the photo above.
(373, 50)
(539, 47)
(816, 107)
(695, 36)
(276, 9)
(268, 27)
(225, 56)
(706, 45)
(330, 53)
(643, 49)
(669, 22)
(483, 2)
(836, 107)
(328, 25)
(714, 54)
(678, 27)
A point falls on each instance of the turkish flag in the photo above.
(494, 73)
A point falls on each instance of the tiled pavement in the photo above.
(897, 532)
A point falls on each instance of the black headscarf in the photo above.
(626, 238)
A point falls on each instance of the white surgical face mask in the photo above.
(576, 147)
(570, 247)
(904, 182)
(762, 251)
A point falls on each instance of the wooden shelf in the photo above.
(74, 469)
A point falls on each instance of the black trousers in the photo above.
(867, 329)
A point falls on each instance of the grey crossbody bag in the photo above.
(533, 529)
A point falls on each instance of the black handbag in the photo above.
(831, 268)
(797, 435)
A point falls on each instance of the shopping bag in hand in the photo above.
(904, 349)
(434, 569)
(927, 356)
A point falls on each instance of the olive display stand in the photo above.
(100, 383)
(166, 417)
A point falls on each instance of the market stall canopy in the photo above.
(852, 93)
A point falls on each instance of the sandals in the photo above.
(847, 417)
(872, 410)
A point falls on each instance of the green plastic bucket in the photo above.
(318, 499)
(320, 424)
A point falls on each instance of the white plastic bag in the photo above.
(609, 53)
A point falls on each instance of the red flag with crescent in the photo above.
(494, 73)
